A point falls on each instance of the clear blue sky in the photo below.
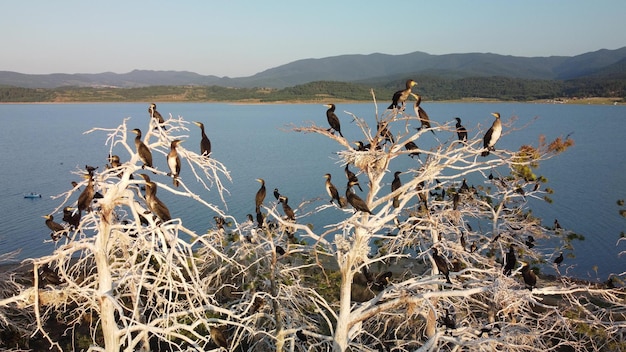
(240, 38)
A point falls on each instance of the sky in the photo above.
(239, 38)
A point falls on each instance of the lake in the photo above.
(43, 147)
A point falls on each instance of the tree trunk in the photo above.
(110, 330)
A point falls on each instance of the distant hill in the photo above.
(381, 69)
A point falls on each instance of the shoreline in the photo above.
(556, 101)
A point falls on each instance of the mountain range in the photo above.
(379, 69)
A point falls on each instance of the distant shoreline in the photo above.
(557, 101)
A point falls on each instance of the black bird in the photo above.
(57, 229)
(352, 177)
(218, 337)
(401, 96)
(156, 206)
(448, 320)
(219, 222)
(493, 134)
(91, 169)
(558, 260)
(462, 240)
(301, 336)
(144, 152)
(86, 196)
(461, 132)
(173, 161)
(287, 209)
(71, 216)
(332, 190)
(410, 145)
(557, 225)
(260, 218)
(530, 279)
(510, 261)
(332, 118)
(354, 200)
(456, 199)
(360, 147)
(395, 184)
(442, 265)
(155, 114)
(382, 280)
(384, 133)
(280, 250)
(205, 143)
(473, 247)
(276, 194)
(530, 242)
(260, 195)
(421, 113)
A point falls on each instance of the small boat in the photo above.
(32, 195)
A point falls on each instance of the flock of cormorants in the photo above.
(159, 209)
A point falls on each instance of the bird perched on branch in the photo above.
(421, 113)
(86, 196)
(558, 260)
(530, 279)
(401, 96)
(205, 143)
(410, 145)
(333, 120)
(461, 132)
(332, 190)
(395, 184)
(155, 114)
(287, 209)
(57, 229)
(156, 206)
(173, 161)
(493, 134)
(510, 261)
(352, 177)
(357, 203)
(142, 150)
(442, 265)
(260, 196)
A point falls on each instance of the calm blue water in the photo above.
(42, 144)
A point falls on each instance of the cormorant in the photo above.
(442, 266)
(462, 240)
(57, 229)
(510, 261)
(473, 247)
(86, 196)
(360, 147)
(91, 169)
(401, 96)
(421, 113)
(205, 143)
(144, 152)
(384, 133)
(276, 194)
(332, 190)
(529, 276)
(155, 114)
(354, 200)
(218, 337)
(332, 118)
(260, 195)
(219, 222)
(71, 216)
(558, 260)
(301, 336)
(352, 177)
(260, 218)
(173, 161)
(395, 184)
(280, 250)
(448, 320)
(464, 187)
(461, 132)
(153, 203)
(557, 225)
(493, 134)
(410, 145)
(287, 209)
(456, 199)
(530, 242)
